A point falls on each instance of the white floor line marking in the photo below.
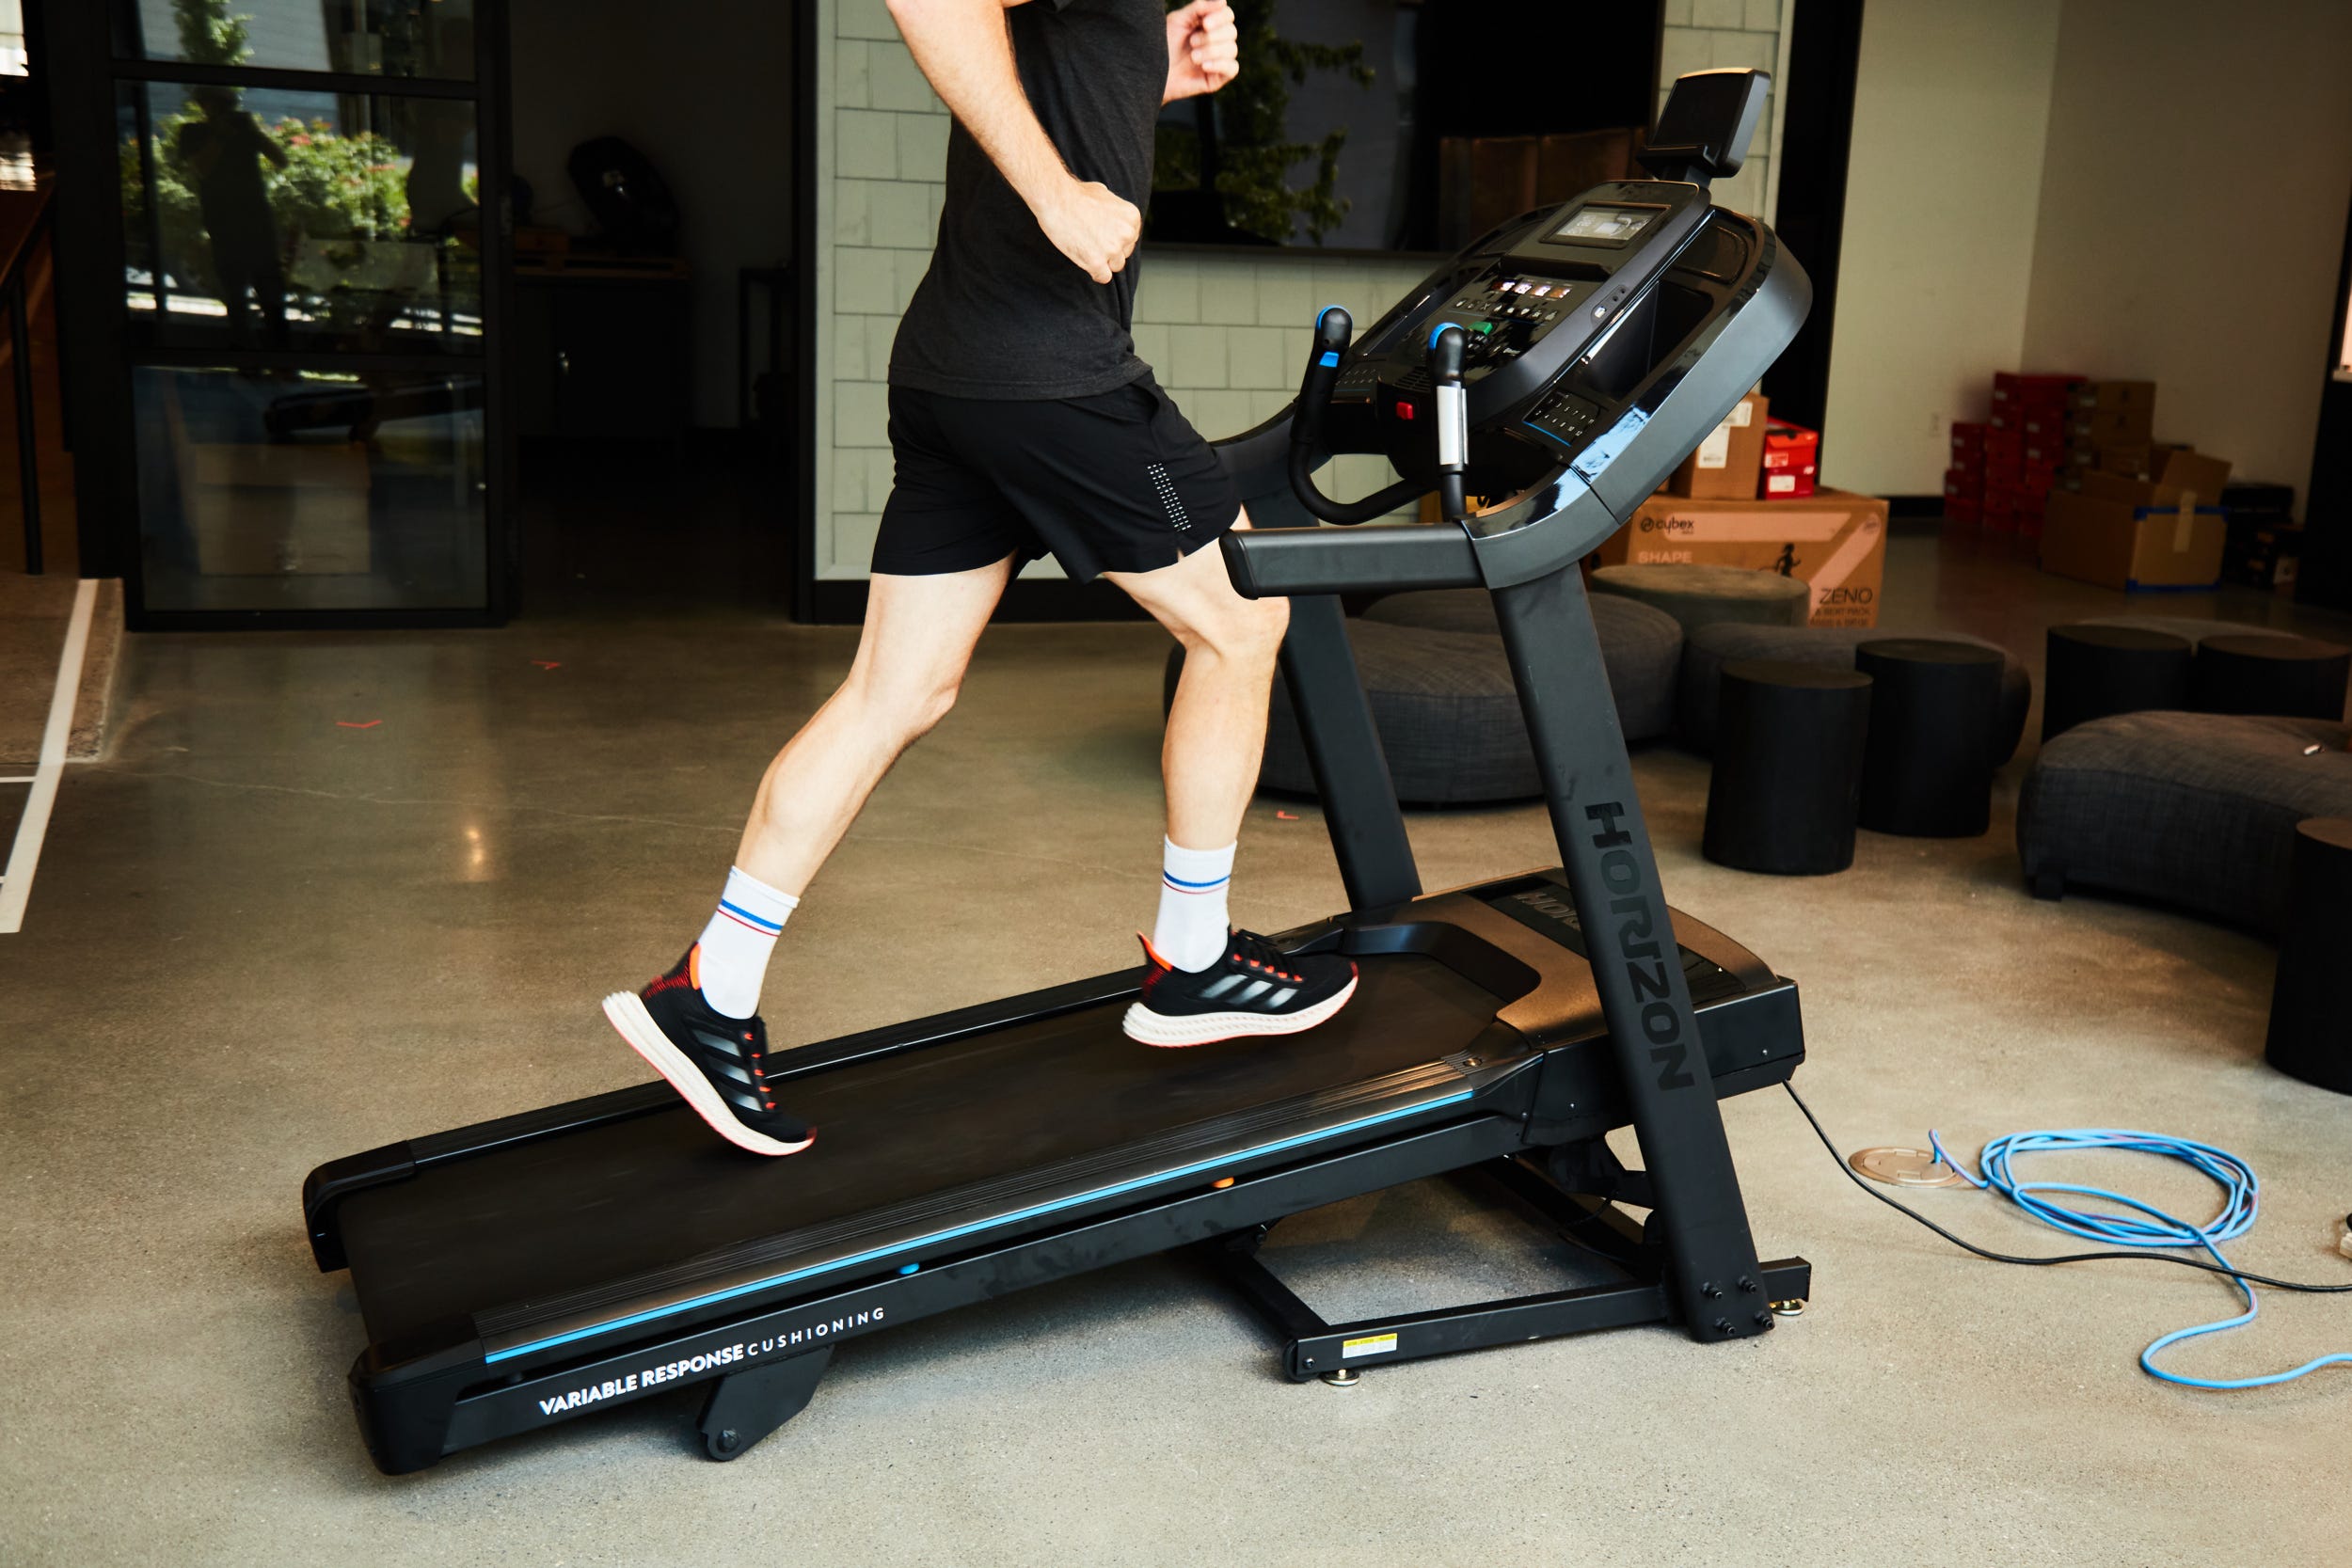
(16, 884)
(27, 779)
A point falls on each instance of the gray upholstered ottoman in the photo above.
(1699, 596)
(2193, 809)
(1440, 684)
(2196, 628)
(1707, 650)
(1641, 647)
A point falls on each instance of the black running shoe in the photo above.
(1254, 990)
(717, 1062)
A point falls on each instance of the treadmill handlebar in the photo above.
(1280, 561)
(1334, 327)
(1447, 346)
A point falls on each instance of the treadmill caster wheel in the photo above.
(1345, 1377)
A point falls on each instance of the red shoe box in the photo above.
(1964, 483)
(2037, 478)
(1793, 460)
(1963, 510)
(1967, 441)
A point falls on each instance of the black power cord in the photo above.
(2239, 1274)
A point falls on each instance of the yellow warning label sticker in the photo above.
(1371, 1344)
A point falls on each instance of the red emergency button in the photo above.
(1404, 410)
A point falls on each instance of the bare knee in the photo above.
(1249, 635)
(899, 711)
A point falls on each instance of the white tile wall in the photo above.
(1224, 333)
(1701, 35)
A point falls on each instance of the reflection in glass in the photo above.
(375, 37)
(262, 218)
(309, 490)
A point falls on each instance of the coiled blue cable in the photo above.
(2146, 1226)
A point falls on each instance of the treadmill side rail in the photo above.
(415, 1412)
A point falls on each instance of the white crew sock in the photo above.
(1192, 925)
(735, 945)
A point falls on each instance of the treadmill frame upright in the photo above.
(1698, 1254)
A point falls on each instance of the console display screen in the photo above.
(1606, 224)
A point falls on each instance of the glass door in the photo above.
(309, 306)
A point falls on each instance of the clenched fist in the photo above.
(1204, 49)
(1092, 225)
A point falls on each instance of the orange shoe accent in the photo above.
(1151, 954)
(695, 965)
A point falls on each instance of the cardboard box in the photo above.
(1834, 540)
(2116, 397)
(2133, 534)
(1726, 463)
(1793, 460)
(2191, 475)
(2130, 462)
(2123, 428)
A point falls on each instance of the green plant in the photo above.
(208, 34)
(1253, 153)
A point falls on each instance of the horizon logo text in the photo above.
(654, 1376)
(1646, 960)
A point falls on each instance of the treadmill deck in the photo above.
(540, 1220)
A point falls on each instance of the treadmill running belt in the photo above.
(539, 1219)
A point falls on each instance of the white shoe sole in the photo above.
(627, 1010)
(1168, 1033)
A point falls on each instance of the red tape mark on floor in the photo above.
(347, 724)
(549, 663)
(1285, 817)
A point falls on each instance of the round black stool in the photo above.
(1927, 769)
(2311, 1032)
(2094, 670)
(1788, 768)
(2299, 677)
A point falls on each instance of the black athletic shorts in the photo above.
(1119, 481)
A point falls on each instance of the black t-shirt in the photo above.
(1002, 313)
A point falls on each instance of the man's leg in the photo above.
(1205, 982)
(1216, 725)
(918, 639)
(698, 1024)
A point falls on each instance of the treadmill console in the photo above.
(1567, 315)
(1579, 350)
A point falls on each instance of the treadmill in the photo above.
(518, 1273)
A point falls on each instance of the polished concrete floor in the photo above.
(330, 891)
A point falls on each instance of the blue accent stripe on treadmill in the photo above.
(1328, 360)
(1214, 881)
(748, 918)
(1032, 1212)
